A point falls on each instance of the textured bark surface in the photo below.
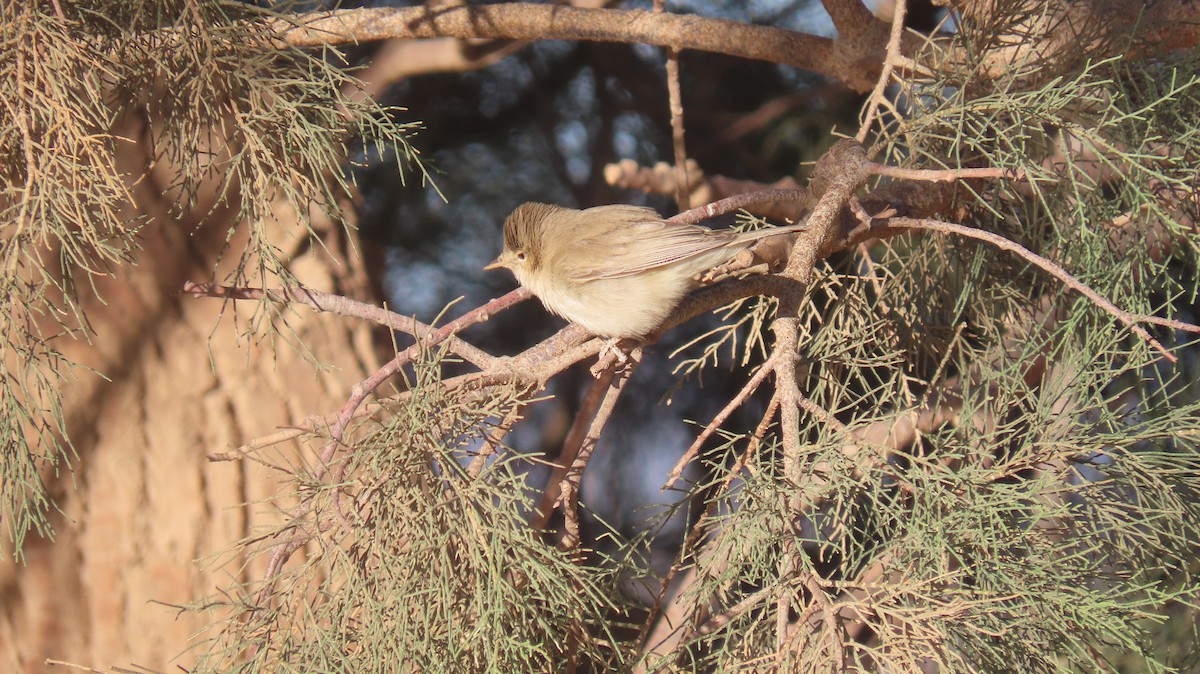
(144, 510)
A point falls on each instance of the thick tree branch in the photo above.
(839, 173)
(855, 63)
(1062, 34)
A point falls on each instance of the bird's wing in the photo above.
(642, 241)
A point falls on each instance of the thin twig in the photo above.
(344, 306)
(783, 601)
(735, 202)
(889, 62)
(51, 662)
(805, 403)
(941, 368)
(571, 447)
(574, 475)
(366, 387)
(493, 440)
(945, 175)
(730, 614)
(675, 103)
(743, 395)
(864, 251)
(830, 622)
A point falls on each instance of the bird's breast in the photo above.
(628, 306)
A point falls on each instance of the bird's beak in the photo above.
(498, 263)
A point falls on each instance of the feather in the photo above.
(640, 241)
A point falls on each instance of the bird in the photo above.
(617, 270)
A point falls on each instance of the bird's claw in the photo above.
(611, 354)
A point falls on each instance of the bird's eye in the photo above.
(521, 257)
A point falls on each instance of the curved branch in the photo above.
(856, 64)
(1128, 319)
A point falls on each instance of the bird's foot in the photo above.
(612, 354)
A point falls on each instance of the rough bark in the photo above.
(142, 499)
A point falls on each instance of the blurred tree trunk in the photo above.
(143, 497)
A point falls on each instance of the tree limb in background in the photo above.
(854, 63)
(663, 179)
(855, 57)
(675, 103)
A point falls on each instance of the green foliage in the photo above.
(1041, 527)
(994, 475)
(232, 121)
(1017, 484)
(431, 568)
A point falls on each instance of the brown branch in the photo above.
(574, 474)
(945, 175)
(401, 58)
(853, 63)
(730, 614)
(783, 598)
(283, 435)
(494, 438)
(662, 178)
(675, 104)
(829, 619)
(736, 202)
(675, 101)
(820, 413)
(50, 662)
(344, 306)
(839, 173)
(851, 18)
(572, 444)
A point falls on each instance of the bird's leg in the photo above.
(612, 353)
